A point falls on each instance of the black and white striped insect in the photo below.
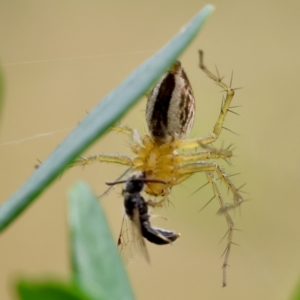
(136, 209)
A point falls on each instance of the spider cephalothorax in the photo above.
(170, 115)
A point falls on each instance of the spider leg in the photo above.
(135, 137)
(211, 167)
(225, 107)
(230, 224)
(122, 129)
(211, 153)
(112, 158)
(109, 158)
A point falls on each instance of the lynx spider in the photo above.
(170, 116)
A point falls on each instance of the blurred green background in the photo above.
(61, 57)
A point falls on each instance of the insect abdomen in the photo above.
(158, 236)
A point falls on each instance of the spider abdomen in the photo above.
(170, 108)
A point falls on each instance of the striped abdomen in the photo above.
(170, 109)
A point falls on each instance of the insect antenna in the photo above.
(111, 183)
(110, 188)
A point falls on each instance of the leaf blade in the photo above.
(48, 290)
(105, 114)
(97, 267)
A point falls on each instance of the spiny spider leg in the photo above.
(212, 137)
(109, 158)
(230, 224)
(112, 158)
(207, 166)
(203, 155)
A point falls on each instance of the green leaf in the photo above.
(97, 266)
(105, 114)
(296, 293)
(48, 290)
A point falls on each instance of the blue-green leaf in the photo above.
(97, 266)
(105, 114)
(48, 290)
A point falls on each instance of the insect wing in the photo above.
(131, 239)
(138, 239)
(125, 241)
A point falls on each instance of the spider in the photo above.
(170, 116)
(136, 209)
